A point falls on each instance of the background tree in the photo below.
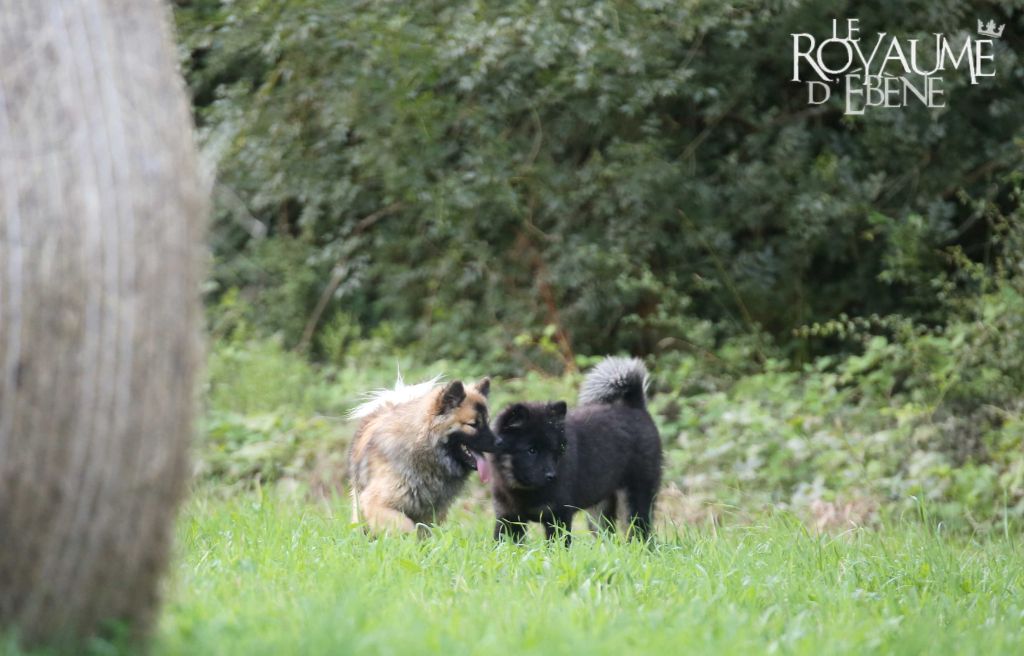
(101, 211)
(603, 176)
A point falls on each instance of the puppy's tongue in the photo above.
(483, 467)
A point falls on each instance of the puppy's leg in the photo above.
(558, 521)
(510, 526)
(595, 517)
(640, 498)
(602, 517)
(355, 505)
(380, 517)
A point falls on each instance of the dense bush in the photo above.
(831, 304)
(463, 174)
(922, 418)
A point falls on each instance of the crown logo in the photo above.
(990, 29)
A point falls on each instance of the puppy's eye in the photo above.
(532, 451)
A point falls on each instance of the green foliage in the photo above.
(259, 376)
(469, 173)
(878, 432)
(831, 304)
(920, 412)
(917, 413)
(272, 447)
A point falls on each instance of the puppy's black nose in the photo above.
(550, 476)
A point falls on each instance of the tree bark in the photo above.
(101, 215)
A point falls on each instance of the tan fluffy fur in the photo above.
(399, 471)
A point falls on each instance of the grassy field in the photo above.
(260, 568)
(262, 576)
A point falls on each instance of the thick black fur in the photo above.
(550, 463)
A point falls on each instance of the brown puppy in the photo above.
(414, 450)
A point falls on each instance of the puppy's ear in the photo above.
(514, 416)
(483, 386)
(452, 396)
(557, 409)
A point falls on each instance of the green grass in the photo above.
(262, 576)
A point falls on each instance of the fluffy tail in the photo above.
(616, 379)
(384, 398)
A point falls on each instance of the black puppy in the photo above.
(550, 463)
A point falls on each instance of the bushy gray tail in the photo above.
(616, 379)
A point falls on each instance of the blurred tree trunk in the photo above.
(101, 212)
